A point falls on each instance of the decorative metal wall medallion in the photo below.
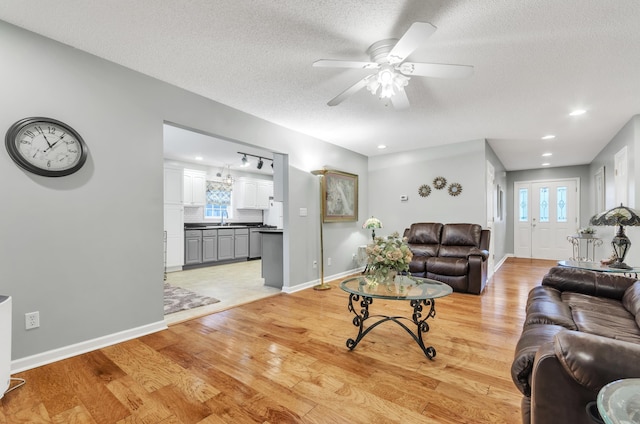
(424, 190)
(455, 189)
(439, 183)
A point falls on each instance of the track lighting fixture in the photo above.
(260, 163)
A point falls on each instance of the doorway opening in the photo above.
(201, 166)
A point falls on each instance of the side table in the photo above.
(590, 243)
(619, 401)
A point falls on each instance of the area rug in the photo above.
(178, 299)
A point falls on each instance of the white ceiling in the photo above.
(534, 60)
(185, 145)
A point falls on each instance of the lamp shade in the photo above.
(372, 223)
(620, 215)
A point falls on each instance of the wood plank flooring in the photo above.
(283, 359)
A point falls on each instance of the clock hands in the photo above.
(45, 139)
(52, 145)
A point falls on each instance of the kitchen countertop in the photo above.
(206, 226)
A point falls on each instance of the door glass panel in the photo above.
(524, 206)
(544, 204)
(562, 204)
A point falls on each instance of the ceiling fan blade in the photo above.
(436, 70)
(348, 92)
(417, 33)
(400, 101)
(329, 63)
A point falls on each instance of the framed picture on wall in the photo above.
(339, 196)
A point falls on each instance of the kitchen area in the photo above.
(218, 214)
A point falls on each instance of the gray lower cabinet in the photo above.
(226, 244)
(192, 247)
(209, 245)
(255, 243)
(241, 248)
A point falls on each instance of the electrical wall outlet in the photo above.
(31, 320)
(329, 261)
(315, 264)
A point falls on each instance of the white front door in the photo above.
(547, 213)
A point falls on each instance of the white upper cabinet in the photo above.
(194, 187)
(173, 186)
(252, 194)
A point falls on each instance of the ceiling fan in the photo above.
(391, 76)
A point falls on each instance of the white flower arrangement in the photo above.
(387, 254)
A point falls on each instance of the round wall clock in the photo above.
(46, 147)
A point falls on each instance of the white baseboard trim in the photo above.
(65, 352)
(502, 261)
(309, 284)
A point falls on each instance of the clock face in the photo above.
(46, 147)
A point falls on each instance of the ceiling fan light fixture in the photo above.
(388, 81)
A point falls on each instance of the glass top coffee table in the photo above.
(420, 292)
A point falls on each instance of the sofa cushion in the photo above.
(447, 266)
(601, 284)
(423, 249)
(461, 235)
(545, 306)
(425, 233)
(603, 317)
(631, 301)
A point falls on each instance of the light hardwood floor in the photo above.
(283, 359)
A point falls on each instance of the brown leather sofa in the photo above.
(581, 332)
(455, 254)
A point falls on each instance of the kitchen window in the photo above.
(218, 202)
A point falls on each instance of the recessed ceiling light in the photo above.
(578, 112)
(382, 146)
(546, 154)
(546, 164)
(198, 157)
(549, 137)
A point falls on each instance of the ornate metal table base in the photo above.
(362, 315)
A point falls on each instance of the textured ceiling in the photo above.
(534, 61)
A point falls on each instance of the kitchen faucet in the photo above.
(222, 214)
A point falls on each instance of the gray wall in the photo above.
(86, 250)
(393, 175)
(581, 172)
(629, 136)
(499, 231)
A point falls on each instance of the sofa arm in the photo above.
(601, 284)
(484, 254)
(568, 373)
(593, 361)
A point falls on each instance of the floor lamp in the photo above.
(322, 285)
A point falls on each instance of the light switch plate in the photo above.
(303, 211)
